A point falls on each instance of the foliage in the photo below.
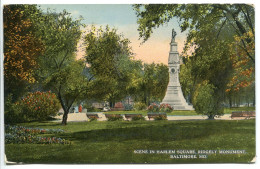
(138, 117)
(206, 102)
(33, 106)
(30, 130)
(108, 55)
(69, 84)
(140, 106)
(110, 62)
(13, 112)
(186, 80)
(20, 135)
(166, 108)
(22, 47)
(244, 72)
(198, 17)
(160, 117)
(128, 107)
(92, 118)
(104, 51)
(154, 108)
(59, 71)
(114, 117)
(211, 64)
(150, 82)
(39, 105)
(92, 109)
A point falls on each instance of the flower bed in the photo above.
(138, 117)
(153, 108)
(163, 108)
(166, 108)
(20, 135)
(20, 129)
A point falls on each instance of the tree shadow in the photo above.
(166, 132)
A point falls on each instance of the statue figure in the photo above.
(173, 35)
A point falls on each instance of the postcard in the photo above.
(129, 83)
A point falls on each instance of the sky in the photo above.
(123, 18)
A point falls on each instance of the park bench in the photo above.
(130, 116)
(245, 114)
(153, 115)
(92, 116)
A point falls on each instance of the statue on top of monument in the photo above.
(173, 35)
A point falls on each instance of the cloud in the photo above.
(74, 12)
(156, 49)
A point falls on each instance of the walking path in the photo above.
(77, 117)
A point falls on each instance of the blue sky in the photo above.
(123, 18)
(112, 14)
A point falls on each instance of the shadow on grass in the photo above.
(164, 131)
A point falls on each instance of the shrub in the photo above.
(13, 112)
(140, 106)
(165, 108)
(92, 118)
(128, 107)
(138, 117)
(154, 108)
(92, 109)
(206, 100)
(160, 117)
(114, 117)
(40, 105)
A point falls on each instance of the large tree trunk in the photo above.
(211, 117)
(65, 117)
(65, 109)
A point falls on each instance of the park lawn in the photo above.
(182, 112)
(106, 142)
(230, 110)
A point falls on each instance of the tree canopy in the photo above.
(108, 55)
(22, 47)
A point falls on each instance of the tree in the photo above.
(22, 47)
(188, 83)
(108, 55)
(150, 83)
(69, 84)
(210, 63)
(59, 71)
(243, 75)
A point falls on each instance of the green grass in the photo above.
(181, 112)
(114, 142)
(230, 110)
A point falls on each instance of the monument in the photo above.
(174, 95)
